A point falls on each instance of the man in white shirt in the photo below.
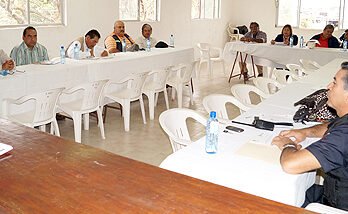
(6, 62)
(142, 41)
(87, 46)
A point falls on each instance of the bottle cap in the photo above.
(75, 45)
(213, 114)
(62, 47)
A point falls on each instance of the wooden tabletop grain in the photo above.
(48, 174)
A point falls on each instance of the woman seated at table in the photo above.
(285, 36)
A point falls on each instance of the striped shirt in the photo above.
(22, 55)
(110, 42)
(259, 35)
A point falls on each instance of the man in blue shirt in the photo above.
(329, 153)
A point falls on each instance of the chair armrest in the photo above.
(72, 90)
(181, 141)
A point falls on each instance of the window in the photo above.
(205, 9)
(140, 10)
(312, 14)
(31, 12)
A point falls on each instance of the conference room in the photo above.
(108, 106)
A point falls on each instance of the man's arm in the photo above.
(301, 134)
(110, 45)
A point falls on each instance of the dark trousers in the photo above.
(314, 194)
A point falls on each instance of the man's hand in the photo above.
(280, 141)
(299, 134)
(273, 42)
(8, 65)
(243, 39)
(105, 53)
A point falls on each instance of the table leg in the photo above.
(234, 63)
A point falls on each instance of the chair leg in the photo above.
(77, 126)
(86, 121)
(151, 97)
(56, 127)
(191, 93)
(126, 115)
(166, 98)
(51, 128)
(179, 89)
(100, 122)
(173, 93)
(156, 98)
(210, 68)
(223, 67)
(42, 128)
(142, 108)
(199, 69)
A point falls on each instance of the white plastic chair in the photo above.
(296, 69)
(284, 77)
(173, 122)
(217, 103)
(154, 87)
(310, 65)
(233, 33)
(89, 102)
(183, 77)
(132, 92)
(44, 112)
(206, 57)
(242, 93)
(321, 208)
(267, 85)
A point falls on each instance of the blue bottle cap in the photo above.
(75, 45)
(213, 114)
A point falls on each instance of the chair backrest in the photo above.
(136, 83)
(173, 122)
(267, 85)
(284, 77)
(310, 65)
(92, 93)
(242, 93)
(217, 103)
(296, 69)
(188, 70)
(204, 50)
(160, 77)
(46, 103)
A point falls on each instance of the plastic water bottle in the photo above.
(172, 41)
(211, 141)
(76, 52)
(62, 55)
(148, 45)
(301, 42)
(291, 42)
(345, 45)
(124, 45)
(3, 72)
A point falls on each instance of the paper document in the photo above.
(4, 148)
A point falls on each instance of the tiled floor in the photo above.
(148, 142)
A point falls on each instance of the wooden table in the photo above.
(48, 174)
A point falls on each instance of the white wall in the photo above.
(264, 12)
(84, 15)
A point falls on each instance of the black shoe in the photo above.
(260, 75)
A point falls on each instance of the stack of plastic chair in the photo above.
(285, 77)
(242, 93)
(310, 65)
(267, 85)
(296, 69)
(205, 51)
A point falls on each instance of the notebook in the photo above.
(4, 148)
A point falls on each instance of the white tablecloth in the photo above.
(281, 55)
(39, 78)
(252, 175)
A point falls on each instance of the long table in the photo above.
(266, 54)
(37, 78)
(48, 174)
(261, 175)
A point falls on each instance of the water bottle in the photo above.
(3, 72)
(345, 45)
(212, 131)
(291, 41)
(148, 45)
(62, 55)
(301, 42)
(76, 52)
(124, 45)
(171, 41)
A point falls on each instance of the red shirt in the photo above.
(324, 43)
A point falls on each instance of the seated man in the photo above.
(146, 30)
(326, 39)
(254, 35)
(113, 42)
(6, 62)
(87, 46)
(29, 51)
(329, 153)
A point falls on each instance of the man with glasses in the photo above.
(29, 51)
(254, 35)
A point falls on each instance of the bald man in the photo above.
(113, 42)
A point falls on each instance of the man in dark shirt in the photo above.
(329, 153)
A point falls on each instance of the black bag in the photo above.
(242, 29)
(314, 108)
(161, 44)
